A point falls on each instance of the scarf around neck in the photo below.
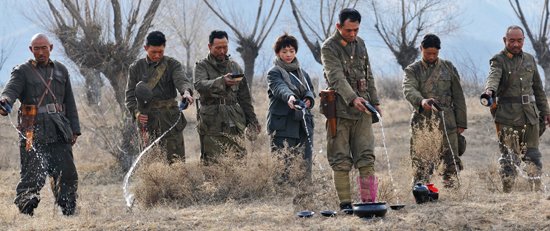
(288, 68)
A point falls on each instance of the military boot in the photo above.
(343, 185)
(29, 206)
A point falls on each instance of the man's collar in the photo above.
(34, 63)
(509, 54)
(341, 39)
(151, 62)
(427, 65)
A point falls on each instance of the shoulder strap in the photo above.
(434, 76)
(159, 72)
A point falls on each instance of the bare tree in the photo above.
(538, 34)
(104, 41)
(5, 51)
(316, 29)
(187, 20)
(250, 42)
(400, 34)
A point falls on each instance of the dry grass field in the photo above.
(245, 195)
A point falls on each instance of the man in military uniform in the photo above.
(48, 119)
(521, 102)
(434, 80)
(347, 71)
(160, 77)
(226, 105)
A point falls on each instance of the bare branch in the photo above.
(145, 25)
(233, 28)
(262, 35)
(117, 20)
(258, 14)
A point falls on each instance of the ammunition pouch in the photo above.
(328, 108)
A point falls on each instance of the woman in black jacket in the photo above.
(291, 96)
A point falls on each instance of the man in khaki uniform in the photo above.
(426, 81)
(162, 77)
(348, 72)
(226, 105)
(516, 83)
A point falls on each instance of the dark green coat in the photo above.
(26, 86)
(222, 106)
(527, 82)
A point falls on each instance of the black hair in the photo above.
(349, 13)
(431, 40)
(155, 38)
(284, 41)
(217, 34)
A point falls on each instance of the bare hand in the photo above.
(186, 95)
(73, 140)
(358, 103)
(229, 81)
(426, 104)
(489, 92)
(460, 130)
(307, 102)
(377, 107)
(142, 118)
(291, 101)
(2, 112)
(547, 120)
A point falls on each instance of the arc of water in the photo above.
(129, 197)
(450, 147)
(387, 156)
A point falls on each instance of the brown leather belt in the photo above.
(524, 99)
(51, 108)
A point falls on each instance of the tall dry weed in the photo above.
(426, 146)
(255, 176)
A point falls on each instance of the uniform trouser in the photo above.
(512, 152)
(54, 160)
(296, 147)
(172, 143)
(424, 163)
(353, 146)
(214, 147)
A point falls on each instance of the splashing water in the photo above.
(129, 197)
(519, 167)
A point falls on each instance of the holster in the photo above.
(27, 115)
(328, 108)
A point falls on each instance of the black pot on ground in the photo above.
(369, 210)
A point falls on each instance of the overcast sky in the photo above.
(483, 25)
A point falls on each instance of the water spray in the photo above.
(129, 197)
(438, 108)
(375, 112)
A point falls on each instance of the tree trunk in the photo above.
(249, 52)
(546, 77)
(93, 85)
